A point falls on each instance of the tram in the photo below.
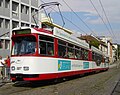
(43, 54)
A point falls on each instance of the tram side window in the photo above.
(93, 56)
(61, 48)
(46, 45)
(68, 50)
(77, 52)
(50, 49)
(42, 47)
(97, 58)
(71, 51)
(85, 54)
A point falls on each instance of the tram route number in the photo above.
(19, 68)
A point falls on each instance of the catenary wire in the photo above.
(101, 17)
(78, 16)
(107, 18)
(68, 20)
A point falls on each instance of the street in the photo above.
(103, 83)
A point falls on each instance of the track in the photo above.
(116, 90)
(97, 84)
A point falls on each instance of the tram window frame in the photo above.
(47, 40)
(78, 52)
(71, 51)
(93, 56)
(97, 58)
(82, 53)
(61, 45)
(85, 54)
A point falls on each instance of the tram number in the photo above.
(19, 68)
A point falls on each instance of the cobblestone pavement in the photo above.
(98, 84)
(116, 90)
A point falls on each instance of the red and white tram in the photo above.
(39, 54)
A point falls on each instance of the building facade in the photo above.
(15, 13)
(108, 41)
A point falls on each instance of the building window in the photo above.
(1, 44)
(27, 10)
(7, 44)
(32, 11)
(7, 24)
(36, 11)
(15, 9)
(1, 3)
(7, 3)
(32, 26)
(22, 24)
(1, 22)
(22, 8)
(27, 25)
(15, 24)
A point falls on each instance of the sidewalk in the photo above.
(112, 65)
(3, 82)
(115, 64)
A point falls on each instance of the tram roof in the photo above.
(36, 30)
(60, 33)
(96, 50)
(58, 26)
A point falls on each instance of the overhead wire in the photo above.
(106, 18)
(100, 17)
(68, 20)
(78, 16)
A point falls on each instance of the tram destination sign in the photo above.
(25, 31)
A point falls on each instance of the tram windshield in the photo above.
(24, 45)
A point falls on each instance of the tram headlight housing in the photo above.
(25, 68)
(13, 68)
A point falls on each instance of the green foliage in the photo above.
(95, 43)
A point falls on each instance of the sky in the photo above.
(85, 19)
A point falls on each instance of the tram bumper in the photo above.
(23, 77)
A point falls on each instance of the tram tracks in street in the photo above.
(116, 90)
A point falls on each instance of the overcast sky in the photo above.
(85, 10)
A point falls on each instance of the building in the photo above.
(115, 51)
(15, 13)
(102, 43)
(108, 41)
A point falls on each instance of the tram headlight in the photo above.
(25, 68)
(13, 68)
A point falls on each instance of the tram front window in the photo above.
(24, 45)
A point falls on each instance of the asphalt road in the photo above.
(97, 84)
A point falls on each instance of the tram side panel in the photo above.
(40, 68)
